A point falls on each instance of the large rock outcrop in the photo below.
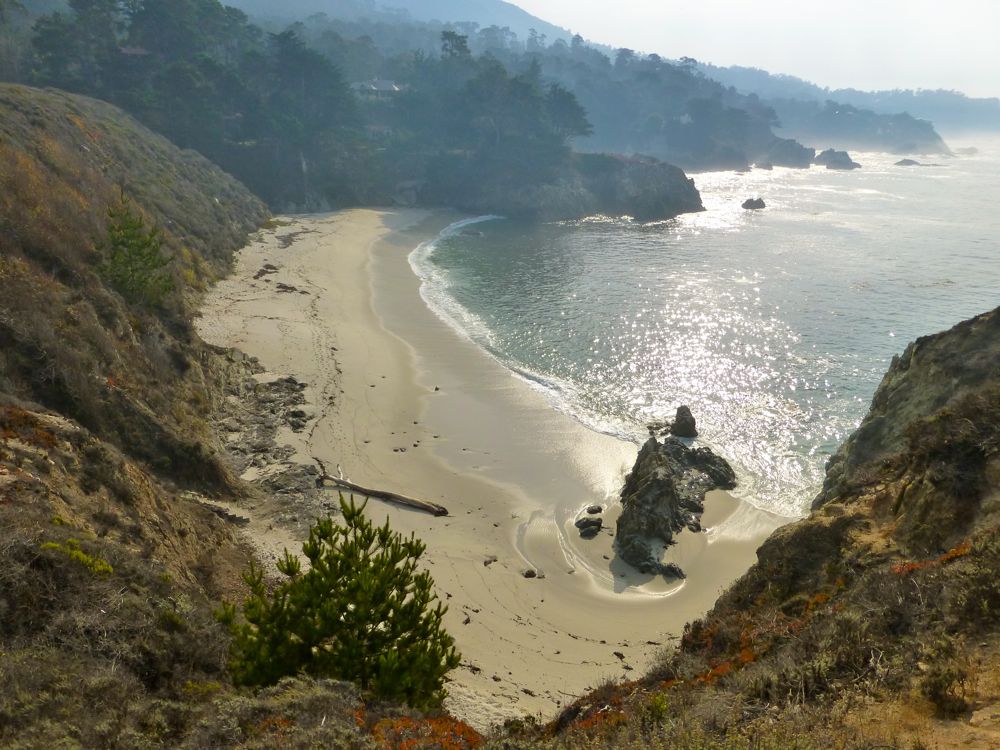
(663, 494)
(832, 159)
(786, 152)
(645, 189)
(934, 375)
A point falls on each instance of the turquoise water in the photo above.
(774, 326)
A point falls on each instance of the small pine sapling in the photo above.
(134, 262)
(361, 612)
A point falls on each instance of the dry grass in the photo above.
(67, 341)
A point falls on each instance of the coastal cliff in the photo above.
(111, 559)
(589, 184)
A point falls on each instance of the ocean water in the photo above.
(775, 327)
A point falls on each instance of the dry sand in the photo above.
(402, 402)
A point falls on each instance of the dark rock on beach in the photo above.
(832, 159)
(664, 494)
(589, 526)
(754, 204)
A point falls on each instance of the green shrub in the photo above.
(361, 612)
(135, 264)
(71, 548)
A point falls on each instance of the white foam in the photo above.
(435, 290)
(435, 286)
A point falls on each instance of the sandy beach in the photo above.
(400, 401)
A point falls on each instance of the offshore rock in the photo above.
(787, 152)
(663, 494)
(832, 159)
(754, 204)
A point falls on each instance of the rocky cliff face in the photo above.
(643, 188)
(900, 557)
(933, 379)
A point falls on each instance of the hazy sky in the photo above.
(866, 44)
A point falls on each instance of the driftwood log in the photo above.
(392, 497)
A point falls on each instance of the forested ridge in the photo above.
(475, 118)
(950, 111)
(280, 115)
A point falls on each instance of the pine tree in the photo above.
(361, 612)
(134, 262)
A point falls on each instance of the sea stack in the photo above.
(684, 425)
(664, 494)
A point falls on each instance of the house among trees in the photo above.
(377, 88)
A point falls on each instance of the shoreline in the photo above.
(400, 401)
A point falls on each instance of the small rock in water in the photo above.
(594, 510)
(833, 159)
(684, 424)
(529, 573)
(754, 204)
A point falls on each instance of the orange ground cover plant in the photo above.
(440, 733)
(905, 568)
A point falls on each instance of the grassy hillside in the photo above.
(129, 374)
(113, 556)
